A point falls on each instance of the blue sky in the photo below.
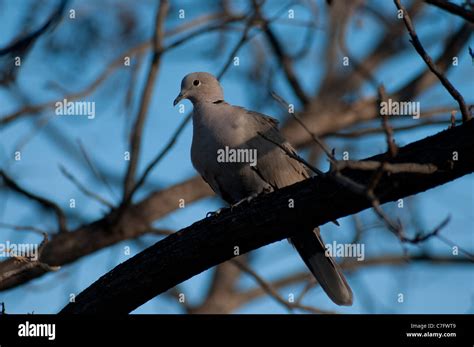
(426, 288)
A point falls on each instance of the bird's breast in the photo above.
(213, 136)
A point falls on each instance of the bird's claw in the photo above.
(247, 199)
(214, 213)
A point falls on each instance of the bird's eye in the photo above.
(196, 82)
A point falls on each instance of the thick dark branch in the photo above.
(455, 9)
(65, 248)
(269, 219)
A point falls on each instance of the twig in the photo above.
(423, 237)
(293, 155)
(315, 138)
(83, 188)
(308, 286)
(349, 266)
(94, 170)
(22, 45)
(380, 167)
(284, 59)
(421, 51)
(453, 46)
(23, 227)
(161, 155)
(114, 65)
(30, 264)
(43, 201)
(240, 43)
(395, 228)
(272, 292)
(455, 9)
(371, 131)
(452, 244)
(135, 142)
(336, 176)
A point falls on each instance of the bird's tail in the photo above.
(329, 275)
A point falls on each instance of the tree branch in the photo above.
(145, 100)
(466, 114)
(62, 224)
(244, 297)
(455, 9)
(65, 248)
(268, 219)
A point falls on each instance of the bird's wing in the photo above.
(274, 165)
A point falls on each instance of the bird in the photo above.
(218, 125)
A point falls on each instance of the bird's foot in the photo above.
(214, 213)
(247, 199)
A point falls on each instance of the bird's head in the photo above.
(200, 87)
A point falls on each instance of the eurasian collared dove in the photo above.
(220, 128)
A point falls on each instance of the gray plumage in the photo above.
(217, 125)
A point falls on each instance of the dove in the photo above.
(219, 126)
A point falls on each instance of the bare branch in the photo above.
(65, 248)
(284, 60)
(23, 227)
(273, 293)
(83, 188)
(421, 51)
(43, 201)
(137, 131)
(298, 119)
(92, 167)
(243, 297)
(455, 9)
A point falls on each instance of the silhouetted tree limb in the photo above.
(22, 46)
(466, 114)
(64, 248)
(455, 9)
(268, 219)
(136, 135)
(240, 298)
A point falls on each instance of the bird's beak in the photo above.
(178, 99)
